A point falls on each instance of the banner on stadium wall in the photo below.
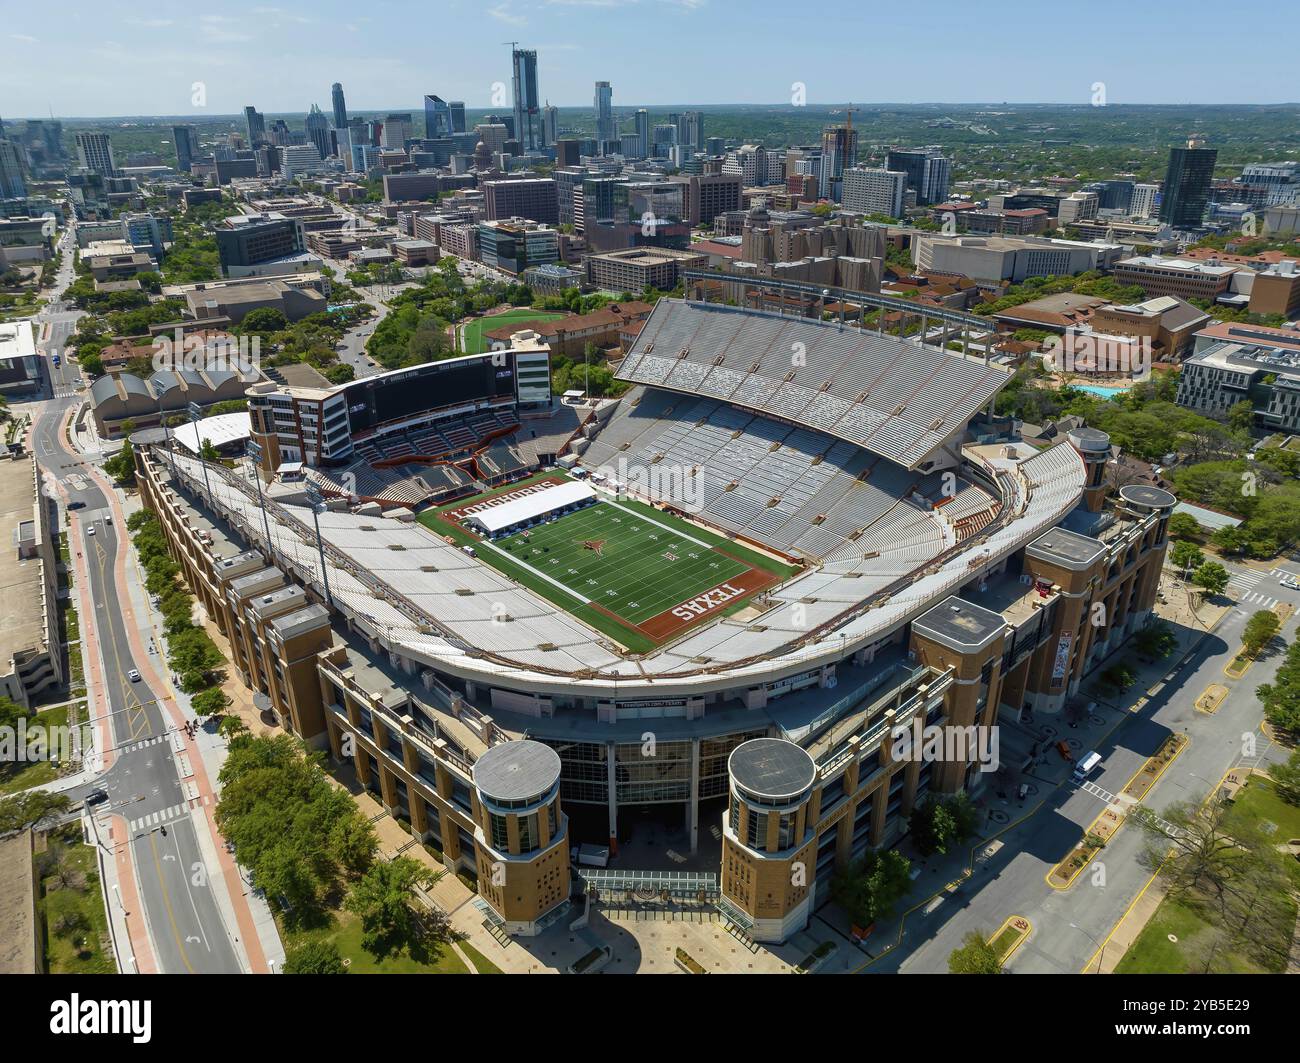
(1062, 656)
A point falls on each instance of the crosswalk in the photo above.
(142, 744)
(1255, 598)
(1245, 584)
(1245, 579)
(165, 815)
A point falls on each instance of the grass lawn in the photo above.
(633, 574)
(82, 951)
(632, 577)
(37, 772)
(1260, 802)
(481, 963)
(1154, 953)
(345, 932)
(1004, 940)
(471, 334)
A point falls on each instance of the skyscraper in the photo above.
(606, 131)
(397, 128)
(318, 131)
(95, 152)
(643, 133)
(457, 108)
(256, 127)
(927, 172)
(12, 185)
(526, 105)
(186, 142)
(690, 130)
(340, 107)
(839, 151)
(437, 117)
(1187, 185)
(550, 125)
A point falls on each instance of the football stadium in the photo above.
(698, 616)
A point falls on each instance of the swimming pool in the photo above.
(1098, 389)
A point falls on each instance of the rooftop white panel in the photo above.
(531, 506)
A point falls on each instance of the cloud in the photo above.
(502, 13)
(23, 38)
(214, 29)
(150, 23)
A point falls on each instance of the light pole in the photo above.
(195, 416)
(1101, 946)
(254, 452)
(1216, 788)
(167, 436)
(315, 500)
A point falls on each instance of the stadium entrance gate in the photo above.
(671, 894)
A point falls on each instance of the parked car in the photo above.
(1063, 747)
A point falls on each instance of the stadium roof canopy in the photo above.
(220, 430)
(894, 397)
(528, 507)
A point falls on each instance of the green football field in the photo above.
(644, 565)
(471, 333)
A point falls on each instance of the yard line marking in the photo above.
(651, 520)
(537, 572)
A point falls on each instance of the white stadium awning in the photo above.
(530, 506)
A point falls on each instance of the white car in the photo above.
(133, 675)
(1290, 582)
(90, 530)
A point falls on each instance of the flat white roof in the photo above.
(219, 430)
(526, 507)
(17, 340)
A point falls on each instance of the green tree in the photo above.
(1184, 526)
(383, 899)
(280, 811)
(937, 824)
(313, 957)
(975, 956)
(210, 702)
(265, 319)
(1260, 629)
(1281, 698)
(121, 466)
(30, 809)
(1186, 556)
(869, 889)
(1241, 415)
(1211, 577)
(1286, 778)
(1155, 640)
(1220, 862)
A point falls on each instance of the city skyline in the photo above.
(287, 56)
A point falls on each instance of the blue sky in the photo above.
(113, 58)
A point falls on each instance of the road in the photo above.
(143, 783)
(1008, 877)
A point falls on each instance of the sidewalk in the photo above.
(212, 749)
(248, 923)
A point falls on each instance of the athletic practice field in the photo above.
(471, 333)
(629, 570)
